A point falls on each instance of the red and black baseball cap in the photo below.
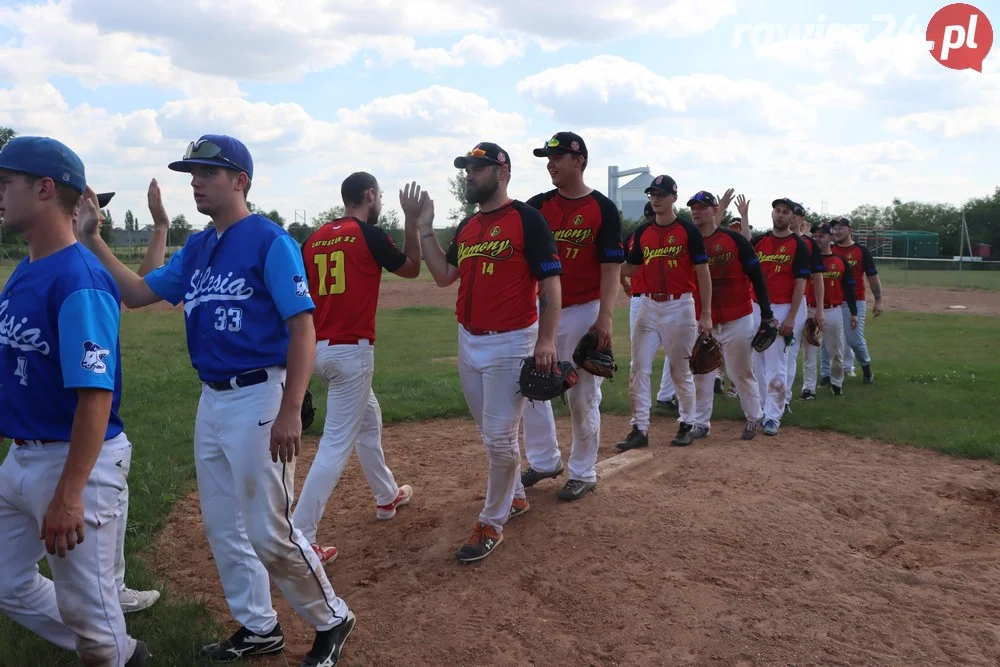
(784, 201)
(703, 197)
(663, 184)
(484, 153)
(562, 143)
(842, 220)
(799, 210)
(823, 227)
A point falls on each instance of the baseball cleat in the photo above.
(770, 427)
(718, 385)
(325, 554)
(669, 404)
(328, 645)
(808, 395)
(684, 436)
(824, 381)
(530, 476)
(133, 600)
(700, 432)
(749, 430)
(869, 376)
(837, 391)
(575, 489)
(483, 541)
(851, 373)
(140, 656)
(634, 440)
(733, 392)
(386, 512)
(245, 644)
(518, 507)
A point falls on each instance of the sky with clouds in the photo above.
(832, 104)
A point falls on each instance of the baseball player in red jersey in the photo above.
(799, 228)
(734, 267)
(500, 255)
(839, 291)
(671, 250)
(587, 229)
(784, 259)
(344, 260)
(862, 264)
(635, 287)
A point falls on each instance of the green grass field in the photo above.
(895, 274)
(928, 394)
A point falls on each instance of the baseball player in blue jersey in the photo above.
(60, 388)
(248, 315)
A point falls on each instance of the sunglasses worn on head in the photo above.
(208, 150)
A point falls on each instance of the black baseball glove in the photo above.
(308, 412)
(765, 336)
(594, 361)
(538, 386)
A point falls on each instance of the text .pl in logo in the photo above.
(961, 37)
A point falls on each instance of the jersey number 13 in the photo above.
(331, 272)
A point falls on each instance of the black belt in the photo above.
(247, 379)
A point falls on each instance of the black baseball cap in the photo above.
(821, 227)
(484, 153)
(843, 220)
(703, 197)
(561, 143)
(798, 210)
(664, 184)
(736, 220)
(784, 201)
(648, 209)
(103, 199)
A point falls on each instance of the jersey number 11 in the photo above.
(331, 272)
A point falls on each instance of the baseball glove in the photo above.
(766, 334)
(594, 361)
(706, 356)
(538, 386)
(308, 412)
(811, 333)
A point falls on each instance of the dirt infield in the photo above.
(809, 548)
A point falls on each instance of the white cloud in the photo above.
(622, 92)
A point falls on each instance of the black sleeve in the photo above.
(610, 248)
(536, 201)
(817, 258)
(801, 263)
(385, 252)
(539, 244)
(751, 266)
(635, 255)
(696, 242)
(451, 255)
(848, 282)
(867, 263)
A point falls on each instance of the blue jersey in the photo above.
(59, 319)
(238, 289)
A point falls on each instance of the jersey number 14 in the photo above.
(331, 272)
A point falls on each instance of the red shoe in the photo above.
(325, 554)
(386, 512)
(518, 507)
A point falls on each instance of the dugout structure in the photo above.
(899, 242)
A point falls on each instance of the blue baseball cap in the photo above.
(42, 156)
(216, 150)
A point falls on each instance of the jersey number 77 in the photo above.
(331, 272)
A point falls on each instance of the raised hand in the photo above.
(154, 200)
(88, 218)
(742, 205)
(410, 200)
(725, 200)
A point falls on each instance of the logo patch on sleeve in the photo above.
(93, 357)
(301, 288)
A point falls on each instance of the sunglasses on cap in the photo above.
(206, 150)
(704, 198)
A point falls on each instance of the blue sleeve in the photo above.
(285, 277)
(88, 339)
(168, 280)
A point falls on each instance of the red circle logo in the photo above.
(962, 37)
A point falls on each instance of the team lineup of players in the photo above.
(533, 277)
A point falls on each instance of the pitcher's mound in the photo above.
(808, 548)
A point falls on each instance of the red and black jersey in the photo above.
(501, 257)
(668, 255)
(588, 233)
(815, 258)
(735, 268)
(639, 285)
(344, 261)
(838, 284)
(861, 262)
(783, 259)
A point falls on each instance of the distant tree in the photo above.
(180, 229)
(6, 134)
(275, 217)
(299, 231)
(460, 193)
(326, 216)
(131, 224)
(389, 221)
(107, 228)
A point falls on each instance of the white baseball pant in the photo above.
(122, 527)
(78, 609)
(833, 344)
(771, 368)
(353, 423)
(793, 351)
(489, 368)
(245, 499)
(541, 446)
(666, 390)
(672, 322)
(737, 352)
